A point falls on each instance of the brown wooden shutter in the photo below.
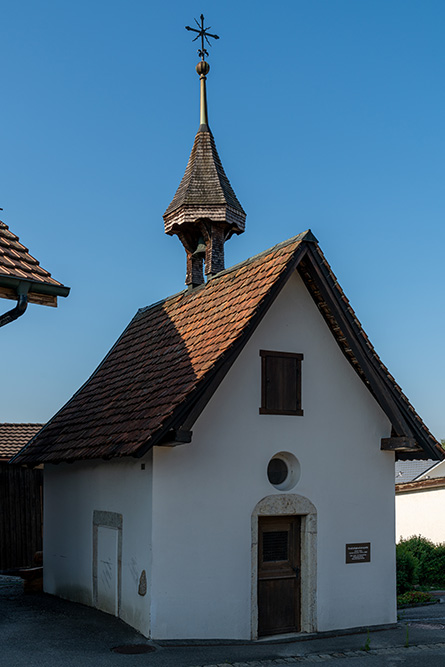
(281, 383)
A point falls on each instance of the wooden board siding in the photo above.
(20, 515)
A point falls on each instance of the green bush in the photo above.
(419, 561)
(407, 566)
(435, 567)
(419, 546)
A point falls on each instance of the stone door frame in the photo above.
(279, 505)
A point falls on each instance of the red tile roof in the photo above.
(158, 362)
(15, 436)
(16, 264)
(172, 356)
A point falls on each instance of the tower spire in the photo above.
(202, 67)
(205, 211)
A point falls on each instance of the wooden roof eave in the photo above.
(363, 359)
(37, 292)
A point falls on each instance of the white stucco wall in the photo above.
(205, 492)
(71, 494)
(421, 513)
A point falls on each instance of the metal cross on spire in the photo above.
(202, 32)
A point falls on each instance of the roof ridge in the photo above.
(294, 239)
(21, 423)
(234, 267)
(145, 309)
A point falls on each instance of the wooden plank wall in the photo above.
(21, 496)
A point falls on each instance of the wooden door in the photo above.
(278, 574)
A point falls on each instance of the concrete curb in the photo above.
(283, 639)
(322, 657)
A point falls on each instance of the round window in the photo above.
(277, 471)
(283, 471)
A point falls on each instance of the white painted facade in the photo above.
(420, 512)
(73, 492)
(187, 518)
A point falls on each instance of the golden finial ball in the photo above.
(203, 68)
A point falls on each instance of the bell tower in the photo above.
(205, 211)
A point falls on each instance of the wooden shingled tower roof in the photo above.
(205, 189)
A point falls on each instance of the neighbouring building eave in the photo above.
(421, 485)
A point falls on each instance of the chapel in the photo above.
(227, 472)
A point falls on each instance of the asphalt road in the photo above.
(43, 631)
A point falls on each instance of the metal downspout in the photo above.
(15, 313)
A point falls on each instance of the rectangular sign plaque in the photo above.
(358, 552)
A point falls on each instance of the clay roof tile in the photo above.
(16, 264)
(14, 436)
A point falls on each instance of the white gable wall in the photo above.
(205, 492)
(72, 493)
(421, 513)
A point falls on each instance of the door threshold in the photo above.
(286, 636)
(305, 636)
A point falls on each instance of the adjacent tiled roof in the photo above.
(205, 187)
(173, 355)
(15, 436)
(16, 264)
(408, 471)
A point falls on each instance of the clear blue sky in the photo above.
(328, 114)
